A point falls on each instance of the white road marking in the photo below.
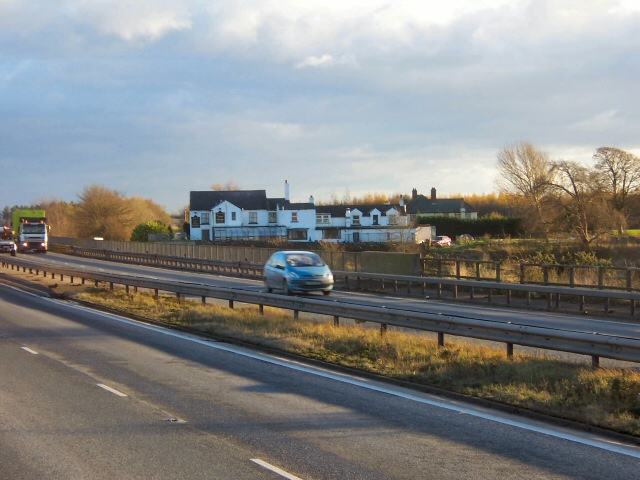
(27, 349)
(274, 469)
(112, 390)
(585, 438)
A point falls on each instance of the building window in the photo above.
(220, 216)
(273, 217)
(297, 234)
(233, 216)
(205, 218)
(253, 217)
(331, 234)
(322, 218)
(375, 219)
(294, 216)
(195, 221)
(356, 220)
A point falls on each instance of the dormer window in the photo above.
(356, 220)
(220, 216)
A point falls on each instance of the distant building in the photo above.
(421, 206)
(251, 215)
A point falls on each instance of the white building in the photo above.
(251, 215)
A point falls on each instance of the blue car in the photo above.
(297, 272)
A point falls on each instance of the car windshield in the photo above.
(304, 260)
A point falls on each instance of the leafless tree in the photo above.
(527, 171)
(225, 187)
(579, 192)
(619, 173)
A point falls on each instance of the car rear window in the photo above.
(304, 260)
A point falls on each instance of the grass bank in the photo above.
(605, 398)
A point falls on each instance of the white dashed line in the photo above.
(112, 390)
(277, 470)
(27, 349)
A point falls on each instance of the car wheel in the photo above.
(326, 292)
(285, 287)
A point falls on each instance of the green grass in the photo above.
(606, 398)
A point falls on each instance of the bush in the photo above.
(143, 230)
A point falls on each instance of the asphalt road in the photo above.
(89, 395)
(578, 323)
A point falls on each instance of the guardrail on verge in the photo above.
(595, 344)
(252, 270)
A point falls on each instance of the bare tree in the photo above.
(527, 171)
(103, 213)
(619, 173)
(225, 187)
(586, 213)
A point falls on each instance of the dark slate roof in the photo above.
(244, 199)
(422, 204)
(339, 211)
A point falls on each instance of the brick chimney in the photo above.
(433, 194)
(414, 193)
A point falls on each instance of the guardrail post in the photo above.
(110, 285)
(595, 361)
(572, 277)
(557, 301)
(231, 304)
(471, 292)
(600, 276)
(489, 295)
(296, 314)
(440, 339)
(510, 351)
(96, 283)
(383, 329)
(336, 321)
(581, 303)
(455, 291)
(498, 271)
(508, 297)
(545, 274)
(155, 293)
(178, 297)
(126, 289)
(606, 305)
(439, 291)
(633, 307)
(458, 269)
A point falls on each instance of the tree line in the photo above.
(101, 212)
(555, 196)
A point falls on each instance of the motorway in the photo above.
(84, 394)
(575, 323)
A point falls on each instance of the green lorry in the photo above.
(31, 230)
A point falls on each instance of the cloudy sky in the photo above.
(155, 98)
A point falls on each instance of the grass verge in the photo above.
(604, 398)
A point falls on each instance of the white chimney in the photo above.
(347, 218)
(286, 190)
(312, 200)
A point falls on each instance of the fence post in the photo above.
(600, 277)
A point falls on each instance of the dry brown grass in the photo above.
(606, 398)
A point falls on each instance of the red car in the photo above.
(443, 241)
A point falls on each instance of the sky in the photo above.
(156, 98)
